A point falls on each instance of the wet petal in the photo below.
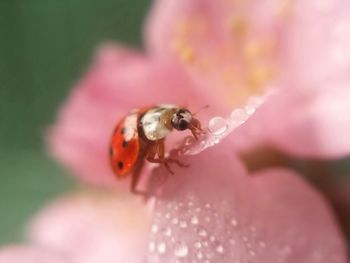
(93, 227)
(215, 211)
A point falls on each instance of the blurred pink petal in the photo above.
(304, 44)
(118, 81)
(93, 227)
(29, 254)
(215, 211)
(314, 125)
(317, 44)
(228, 47)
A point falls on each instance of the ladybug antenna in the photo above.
(198, 111)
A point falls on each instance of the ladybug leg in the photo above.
(135, 180)
(196, 128)
(153, 151)
(161, 154)
(159, 149)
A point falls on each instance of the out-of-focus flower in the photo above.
(30, 254)
(219, 53)
(93, 227)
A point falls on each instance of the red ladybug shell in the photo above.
(125, 145)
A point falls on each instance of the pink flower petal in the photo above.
(93, 227)
(227, 47)
(215, 211)
(29, 254)
(118, 81)
(310, 125)
(317, 43)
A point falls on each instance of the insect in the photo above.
(140, 136)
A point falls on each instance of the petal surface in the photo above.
(30, 254)
(215, 211)
(310, 125)
(93, 227)
(227, 47)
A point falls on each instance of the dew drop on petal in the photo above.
(197, 245)
(194, 220)
(262, 244)
(220, 249)
(181, 250)
(151, 246)
(217, 125)
(202, 232)
(167, 215)
(161, 248)
(183, 224)
(239, 116)
(234, 222)
(154, 229)
(232, 241)
(167, 232)
(249, 109)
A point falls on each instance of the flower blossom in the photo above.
(219, 53)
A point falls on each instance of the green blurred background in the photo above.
(45, 46)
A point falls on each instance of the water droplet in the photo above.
(181, 250)
(197, 245)
(199, 255)
(212, 238)
(252, 253)
(202, 232)
(154, 229)
(194, 220)
(245, 239)
(183, 224)
(249, 109)
(151, 246)
(161, 248)
(232, 241)
(207, 205)
(253, 228)
(175, 221)
(207, 219)
(234, 222)
(217, 125)
(167, 232)
(220, 249)
(239, 116)
(167, 215)
(262, 244)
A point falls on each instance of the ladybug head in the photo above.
(181, 119)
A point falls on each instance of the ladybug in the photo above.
(140, 136)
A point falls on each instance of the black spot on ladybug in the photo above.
(123, 131)
(120, 165)
(124, 144)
